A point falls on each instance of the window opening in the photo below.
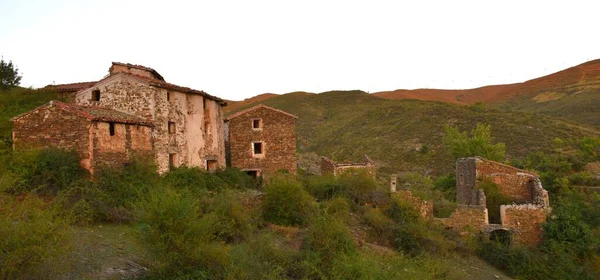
(168, 96)
(172, 127)
(257, 124)
(172, 160)
(96, 95)
(257, 148)
(111, 129)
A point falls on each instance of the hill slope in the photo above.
(406, 135)
(573, 93)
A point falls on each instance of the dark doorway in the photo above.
(211, 165)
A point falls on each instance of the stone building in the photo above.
(99, 135)
(336, 168)
(187, 124)
(261, 140)
(522, 219)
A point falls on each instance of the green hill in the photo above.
(406, 135)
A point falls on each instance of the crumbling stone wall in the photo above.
(198, 120)
(278, 135)
(424, 207)
(50, 127)
(115, 150)
(513, 183)
(525, 222)
(473, 216)
(330, 167)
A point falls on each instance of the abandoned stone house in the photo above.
(184, 126)
(520, 222)
(261, 140)
(522, 219)
(336, 168)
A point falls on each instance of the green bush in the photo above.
(323, 187)
(44, 171)
(329, 238)
(478, 144)
(358, 185)
(227, 220)
(33, 240)
(494, 198)
(286, 202)
(236, 179)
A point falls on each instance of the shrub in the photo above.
(494, 198)
(33, 239)
(44, 171)
(286, 202)
(227, 219)
(358, 185)
(339, 208)
(329, 238)
(323, 187)
(478, 144)
(236, 179)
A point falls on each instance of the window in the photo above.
(168, 96)
(111, 129)
(257, 124)
(172, 127)
(96, 95)
(211, 165)
(257, 148)
(204, 103)
(172, 160)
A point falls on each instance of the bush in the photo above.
(33, 239)
(323, 187)
(236, 179)
(286, 202)
(227, 220)
(494, 198)
(44, 171)
(358, 185)
(329, 238)
(478, 144)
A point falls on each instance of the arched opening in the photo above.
(501, 236)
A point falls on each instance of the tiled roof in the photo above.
(74, 87)
(258, 107)
(94, 113)
(141, 67)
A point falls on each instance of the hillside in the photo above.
(234, 106)
(573, 94)
(406, 135)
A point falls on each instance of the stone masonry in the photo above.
(336, 168)
(262, 140)
(100, 136)
(186, 124)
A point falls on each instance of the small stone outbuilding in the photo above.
(336, 168)
(99, 135)
(261, 140)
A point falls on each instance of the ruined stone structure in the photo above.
(424, 207)
(99, 135)
(186, 124)
(523, 218)
(261, 140)
(330, 167)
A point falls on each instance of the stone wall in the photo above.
(198, 120)
(278, 135)
(115, 150)
(50, 127)
(525, 222)
(474, 216)
(424, 207)
(330, 167)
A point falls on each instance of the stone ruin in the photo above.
(336, 168)
(521, 220)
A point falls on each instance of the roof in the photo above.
(258, 107)
(93, 113)
(140, 67)
(73, 87)
(164, 85)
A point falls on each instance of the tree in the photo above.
(9, 75)
(478, 144)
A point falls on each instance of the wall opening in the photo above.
(172, 161)
(211, 165)
(257, 148)
(168, 96)
(501, 236)
(253, 173)
(257, 124)
(111, 129)
(172, 127)
(96, 95)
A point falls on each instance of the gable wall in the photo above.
(278, 135)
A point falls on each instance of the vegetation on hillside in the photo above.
(9, 75)
(406, 135)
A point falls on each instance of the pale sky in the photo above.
(238, 49)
